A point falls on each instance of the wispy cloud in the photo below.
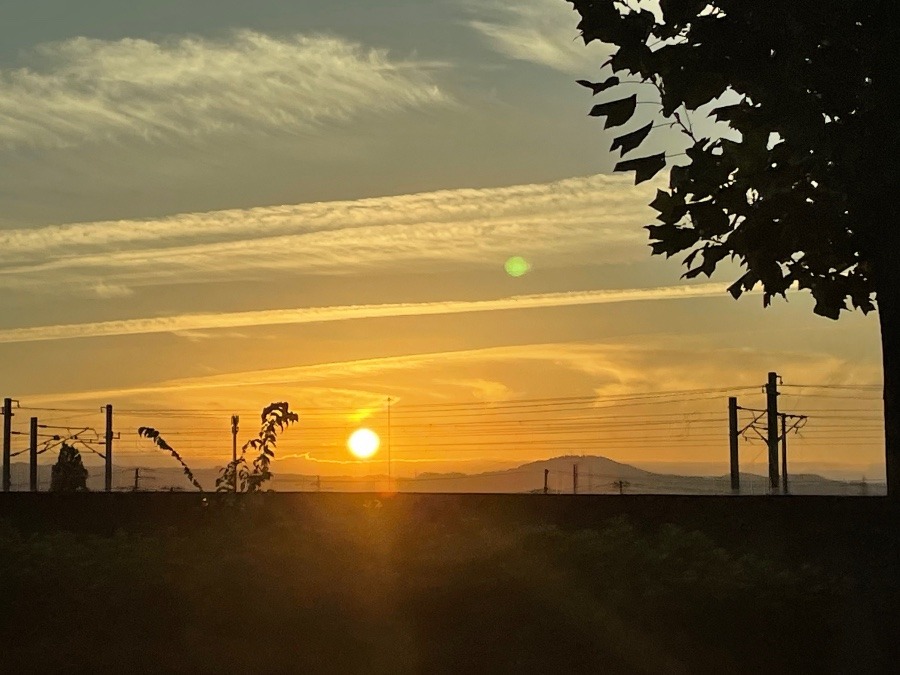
(188, 325)
(103, 290)
(614, 367)
(480, 388)
(87, 89)
(538, 31)
(595, 218)
(200, 336)
(572, 356)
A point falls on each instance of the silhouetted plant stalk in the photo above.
(276, 417)
(153, 434)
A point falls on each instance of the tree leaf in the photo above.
(709, 219)
(745, 283)
(616, 112)
(630, 141)
(634, 57)
(671, 239)
(603, 22)
(679, 12)
(644, 167)
(597, 87)
(670, 205)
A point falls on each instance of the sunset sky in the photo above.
(209, 205)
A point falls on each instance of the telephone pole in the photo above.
(575, 479)
(235, 419)
(772, 437)
(139, 475)
(109, 447)
(7, 441)
(733, 444)
(784, 475)
(32, 455)
(546, 475)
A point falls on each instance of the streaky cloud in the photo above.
(592, 219)
(537, 31)
(187, 324)
(90, 90)
(648, 364)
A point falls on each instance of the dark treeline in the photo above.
(438, 583)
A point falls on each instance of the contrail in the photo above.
(301, 315)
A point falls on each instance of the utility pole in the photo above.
(546, 476)
(772, 436)
(772, 439)
(784, 476)
(733, 444)
(621, 485)
(140, 474)
(32, 455)
(574, 479)
(235, 419)
(7, 441)
(109, 447)
(318, 483)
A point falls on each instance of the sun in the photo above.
(363, 443)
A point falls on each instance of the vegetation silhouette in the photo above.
(239, 475)
(69, 473)
(151, 433)
(275, 417)
(800, 189)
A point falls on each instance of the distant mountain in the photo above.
(590, 465)
(601, 475)
(596, 475)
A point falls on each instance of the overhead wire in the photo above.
(577, 422)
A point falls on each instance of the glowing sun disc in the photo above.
(363, 443)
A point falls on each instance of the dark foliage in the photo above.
(248, 477)
(433, 589)
(69, 473)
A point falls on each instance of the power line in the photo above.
(835, 386)
(461, 404)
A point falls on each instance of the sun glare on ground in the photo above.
(363, 443)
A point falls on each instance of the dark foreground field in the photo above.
(447, 583)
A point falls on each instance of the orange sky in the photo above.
(326, 221)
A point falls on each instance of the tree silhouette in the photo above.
(800, 189)
(69, 473)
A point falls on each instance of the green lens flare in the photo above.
(516, 266)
